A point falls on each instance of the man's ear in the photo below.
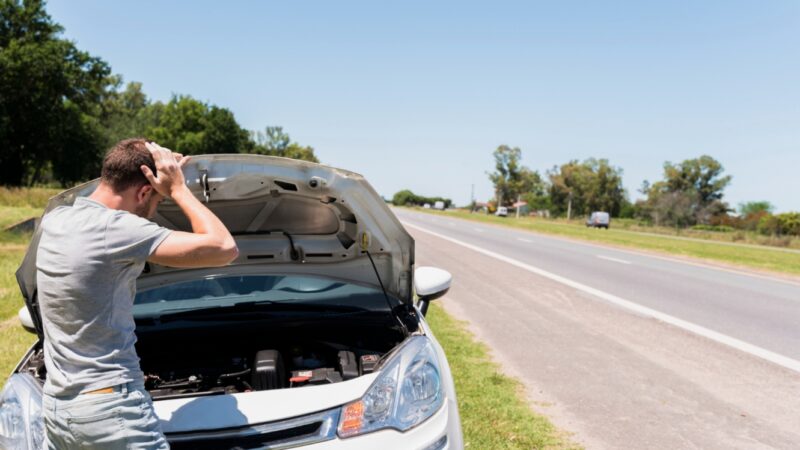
(144, 192)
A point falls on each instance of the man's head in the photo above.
(122, 173)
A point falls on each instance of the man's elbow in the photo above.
(226, 252)
(230, 253)
(222, 254)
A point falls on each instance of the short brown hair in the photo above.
(122, 164)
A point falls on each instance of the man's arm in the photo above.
(210, 244)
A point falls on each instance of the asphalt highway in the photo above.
(623, 348)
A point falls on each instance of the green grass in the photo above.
(757, 257)
(9, 215)
(31, 197)
(16, 204)
(494, 412)
(10, 297)
(14, 340)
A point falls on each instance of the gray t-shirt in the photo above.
(87, 263)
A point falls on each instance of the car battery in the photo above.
(324, 375)
(368, 363)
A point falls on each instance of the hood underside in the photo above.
(286, 215)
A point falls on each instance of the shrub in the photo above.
(717, 228)
(789, 223)
(780, 224)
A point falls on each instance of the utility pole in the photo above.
(472, 199)
(518, 207)
(569, 206)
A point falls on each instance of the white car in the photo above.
(599, 219)
(311, 338)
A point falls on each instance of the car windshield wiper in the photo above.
(262, 307)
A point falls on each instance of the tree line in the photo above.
(62, 108)
(408, 198)
(690, 194)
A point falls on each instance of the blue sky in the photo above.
(418, 94)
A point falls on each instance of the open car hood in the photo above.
(333, 216)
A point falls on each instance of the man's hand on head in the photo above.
(210, 244)
(169, 177)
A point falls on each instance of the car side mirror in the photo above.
(430, 283)
(26, 320)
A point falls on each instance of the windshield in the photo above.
(223, 291)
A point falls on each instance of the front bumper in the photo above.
(318, 431)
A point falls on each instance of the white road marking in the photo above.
(525, 240)
(479, 230)
(759, 352)
(608, 258)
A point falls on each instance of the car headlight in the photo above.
(406, 393)
(21, 422)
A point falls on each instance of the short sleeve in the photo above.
(130, 237)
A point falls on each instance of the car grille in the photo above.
(288, 433)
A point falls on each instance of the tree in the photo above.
(275, 142)
(699, 180)
(510, 179)
(50, 94)
(751, 215)
(123, 113)
(750, 208)
(191, 127)
(702, 175)
(406, 197)
(581, 188)
(676, 208)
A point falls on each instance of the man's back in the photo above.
(88, 260)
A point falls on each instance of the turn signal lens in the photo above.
(352, 419)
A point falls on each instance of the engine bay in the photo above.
(190, 359)
(246, 356)
(295, 366)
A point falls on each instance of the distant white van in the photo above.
(502, 211)
(599, 219)
(439, 205)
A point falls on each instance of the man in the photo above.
(89, 257)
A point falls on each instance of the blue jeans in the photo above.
(123, 419)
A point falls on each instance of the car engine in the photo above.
(194, 359)
(266, 369)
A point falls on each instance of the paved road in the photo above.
(562, 316)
